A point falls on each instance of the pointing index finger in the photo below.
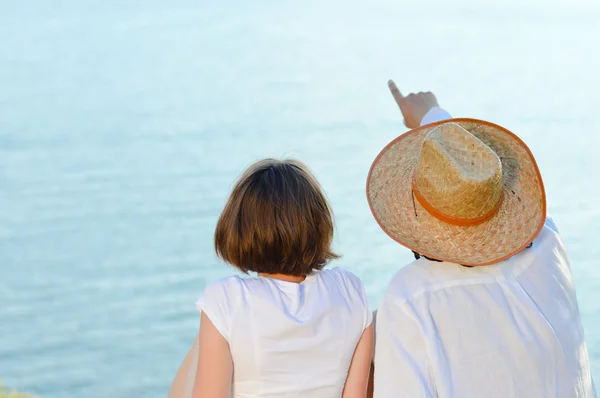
(395, 92)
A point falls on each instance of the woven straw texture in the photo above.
(517, 222)
(458, 174)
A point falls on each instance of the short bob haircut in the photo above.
(276, 221)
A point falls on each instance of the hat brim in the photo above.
(518, 221)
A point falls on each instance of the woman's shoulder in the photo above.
(225, 282)
(341, 273)
(351, 289)
(344, 277)
(219, 290)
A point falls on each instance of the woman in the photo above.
(294, 330)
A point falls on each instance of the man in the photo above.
(488, 309)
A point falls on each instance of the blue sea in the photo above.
(123, 125)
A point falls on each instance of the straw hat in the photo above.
(464, 191)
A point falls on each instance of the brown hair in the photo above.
(276, 220)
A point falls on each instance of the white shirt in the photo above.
(289, 339)
(511, 329)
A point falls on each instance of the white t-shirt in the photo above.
(289, 339)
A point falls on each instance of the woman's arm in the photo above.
(215, 366)
(360, 368)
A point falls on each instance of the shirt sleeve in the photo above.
(402, 366)
(435, 114)
(368, 315)
(217, 305)
(550, 223)
(355, 288)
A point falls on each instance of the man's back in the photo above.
(508, 330)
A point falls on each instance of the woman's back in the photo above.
(289, 339)
(295, 330)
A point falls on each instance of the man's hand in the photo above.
(413, 106)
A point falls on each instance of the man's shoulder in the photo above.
(419, 277)
(423, 276)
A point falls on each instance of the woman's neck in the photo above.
(285, 278)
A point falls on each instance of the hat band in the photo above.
(459, 222)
